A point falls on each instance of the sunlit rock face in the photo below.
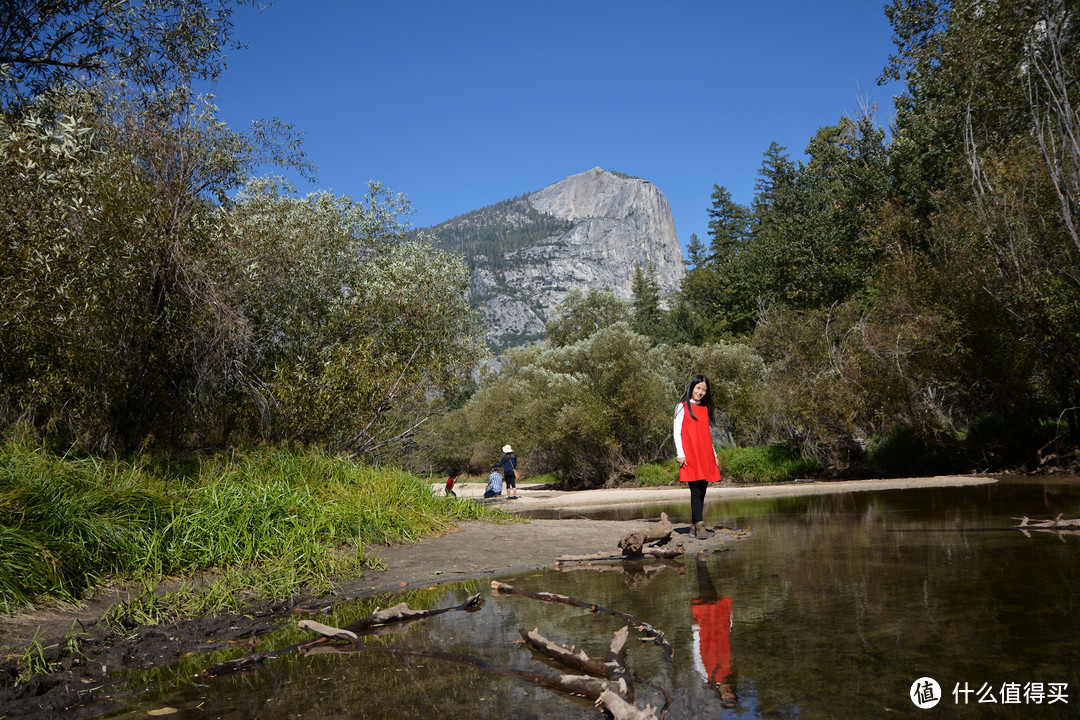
(589, 230)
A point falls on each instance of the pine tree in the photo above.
(728, 225)
(696, 250)
(648, 316)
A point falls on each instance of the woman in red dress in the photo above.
(694, 448)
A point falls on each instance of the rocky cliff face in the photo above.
(588, 231)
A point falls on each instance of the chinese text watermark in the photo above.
(926, 693)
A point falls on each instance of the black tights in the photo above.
(697, 499)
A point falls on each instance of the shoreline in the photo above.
(540, 497)
(478, 549)
(474, 549)
(488, 547)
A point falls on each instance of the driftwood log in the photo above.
(656, 636)
(586, 686)
(396, 616)
(608, 682)
(623, 710)
(632, 543)
(231, 666)
(328, 632)
(1058, 523)
(1058, 526)
(610, 667)
(614, 691)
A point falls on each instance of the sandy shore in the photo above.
(533, 497)
(478, 549)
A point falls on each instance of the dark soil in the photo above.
(77, 688)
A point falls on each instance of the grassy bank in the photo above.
(270, 523)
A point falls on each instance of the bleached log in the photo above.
(399, 614)
(579, 659)
(611, 667)
(666, 553)
(617, 648)
(326, 630)
(633, 542)
(590, 687)
(622, 710)
(1058, 523)
(402, 611)
(660, 530)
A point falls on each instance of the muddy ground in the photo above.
(474, 549)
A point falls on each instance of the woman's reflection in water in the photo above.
(712, 634)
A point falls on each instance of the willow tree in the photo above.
(358, 334)
(154, 45)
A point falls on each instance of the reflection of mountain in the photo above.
(589, 230)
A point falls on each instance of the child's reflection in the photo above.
(712, 634)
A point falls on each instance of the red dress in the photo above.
(697, 446)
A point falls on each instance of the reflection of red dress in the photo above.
(712, 637)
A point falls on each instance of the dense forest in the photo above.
(486, 237)
(902, 300)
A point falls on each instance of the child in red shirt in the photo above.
(450, 483)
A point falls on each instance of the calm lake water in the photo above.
(833, 607)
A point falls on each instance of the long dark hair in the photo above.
(706, 401)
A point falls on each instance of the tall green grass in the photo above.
(273, 522)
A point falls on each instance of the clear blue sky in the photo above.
(459, 104)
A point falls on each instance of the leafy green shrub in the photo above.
(544, 479)
(986, 429)
(898, 452)
(665, 472)
(764, 464)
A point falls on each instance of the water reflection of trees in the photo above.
(859, 595)
(838, 605)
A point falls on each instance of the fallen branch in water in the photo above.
(328, 632)
(230, 666)
(611, 667)
(393, 616)
(657, 637)
(597, 689)
(622, 710)
(1056, 524)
